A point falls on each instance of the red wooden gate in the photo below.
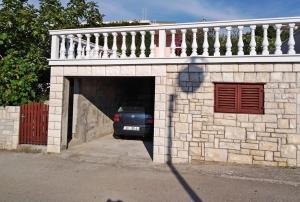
(34, 124)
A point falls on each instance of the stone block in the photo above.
(237, 158)
(249, 146)
(219, 155)
(181, 127)
(246, 68)
(143, 70)
(268, 146)
(283, 123)
(235, 133)
(264, 67)
(288, 151)
(128, 70)
(283, 67)
(230, 145)
(269, 156)
(293, 139)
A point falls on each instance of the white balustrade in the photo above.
(63, 47)
(291, 40)
(241, 42)
(143, 46)
(278, 42)
(97, 48)
(265, 43)
(152, 45)
(205, 42)
(217, 44)
(228, 42)
(133, 47)
(173, 44)
(253, 40)
(114, 47)
(71, 47)
(194, 45)
(105, 46)
(123, 48)
(183, 43)
(79, 47)
(85, 43)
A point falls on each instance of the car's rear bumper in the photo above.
(144, 130)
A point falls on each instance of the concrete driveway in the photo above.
(89, 173)
(109, 150)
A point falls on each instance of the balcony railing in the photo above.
(203, 39)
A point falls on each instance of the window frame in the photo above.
(238, 98)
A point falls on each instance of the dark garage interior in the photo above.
(93, 101)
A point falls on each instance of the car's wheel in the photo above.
(116, 136)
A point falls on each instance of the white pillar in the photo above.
(88, 46)
(253, 40)
(162, 43)
(292, 40)
(79, 47)
(114, 47)
(173, 44)
(63, 48)
(152, 45)
(205, 43)
(133, 47)
(183, 43)
(71, 47)
(124, 48)
(194, 44)
(278, 42)
(265, 40)
(105, 46)
(54, 47)
(241, 42)
(228, 42)
(96, 49)
(143, 46)
(217, 42)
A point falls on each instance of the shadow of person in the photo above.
(189, 80)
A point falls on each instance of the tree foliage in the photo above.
(25, 44)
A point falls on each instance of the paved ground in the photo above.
(87, 173)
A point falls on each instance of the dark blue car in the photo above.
(133, 122)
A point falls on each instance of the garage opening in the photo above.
(95, 104)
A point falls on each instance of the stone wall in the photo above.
(9, 127)
(199, 134)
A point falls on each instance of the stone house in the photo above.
(242, 108)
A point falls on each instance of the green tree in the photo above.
(25, 44)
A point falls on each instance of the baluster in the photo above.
(194, 44)
(71, 48)
(124, 48)
(152, 45)
(173, 44)
(228, 42)
(79, 47)
(205, 43)
(105, 46)
(183, 43)
(143, 46)
(291, 42)
(96, 49)
(83, 52)
(253, 40)
(133, 47)
(88, 46)
(241, 42)
(278, 42)
(217, 42)
(265, 41)
(63, 47)
(114, 47)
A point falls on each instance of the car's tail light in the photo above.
(150, 120)
(117, 117)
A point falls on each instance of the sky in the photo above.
(195, 10)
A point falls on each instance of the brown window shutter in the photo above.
(251, 99)
(226, 98)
